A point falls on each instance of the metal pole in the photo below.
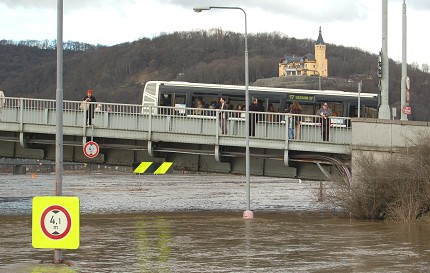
(359, 98)
(384, 109)
(319, 79)
(59, 114)
(403, 116)
(247, 214)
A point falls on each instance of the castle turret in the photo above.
(320, 57)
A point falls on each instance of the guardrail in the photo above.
(179, 120)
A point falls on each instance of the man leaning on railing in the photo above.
(325, 113)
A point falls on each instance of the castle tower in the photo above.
(320, 57)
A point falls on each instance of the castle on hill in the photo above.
(308, 65)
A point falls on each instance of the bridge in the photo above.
(191, 137)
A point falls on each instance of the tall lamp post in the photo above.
(247, 214)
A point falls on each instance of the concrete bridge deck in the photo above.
(155, 131)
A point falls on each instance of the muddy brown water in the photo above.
(193, 223)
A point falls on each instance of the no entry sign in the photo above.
(91, 149)
(55, 222)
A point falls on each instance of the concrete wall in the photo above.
(386, 135)
(382, 139)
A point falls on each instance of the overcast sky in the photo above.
(344, 22)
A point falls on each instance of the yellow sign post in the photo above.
(55, 222)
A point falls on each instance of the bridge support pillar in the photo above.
(150, 149)
(19, 169)
(217, 154)
(22, 140)
(286, 158)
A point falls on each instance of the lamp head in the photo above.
(200, 9)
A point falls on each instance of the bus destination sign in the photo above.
(301, 97)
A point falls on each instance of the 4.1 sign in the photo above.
(55, 222)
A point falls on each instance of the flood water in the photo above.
(193, 223)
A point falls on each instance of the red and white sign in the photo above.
(407, 110)
(91, 149)
(55, 222)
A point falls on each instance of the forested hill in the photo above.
(118, 73)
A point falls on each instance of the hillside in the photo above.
(118, 73)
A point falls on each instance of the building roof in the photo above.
(298, 59)
(320, 40)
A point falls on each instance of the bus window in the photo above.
(365, 112)
(180, 99)
(235, 100)
(353, 111)
(370, 112)
(166, 100)
(275, 102)
(337, 108)
(207, 99)
(307, 109)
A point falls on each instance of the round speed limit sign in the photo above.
(91, 149)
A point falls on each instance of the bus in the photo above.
(194, 95)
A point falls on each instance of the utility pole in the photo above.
(403, 115)
(384, 109)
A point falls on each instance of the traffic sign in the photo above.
(407, 110)
(55, 222)
(91, 149)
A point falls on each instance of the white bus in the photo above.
(186, 94)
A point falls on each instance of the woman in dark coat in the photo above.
(90, 107)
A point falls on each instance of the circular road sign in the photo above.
(55, 222)
(91, 149)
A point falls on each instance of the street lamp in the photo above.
(247, 214)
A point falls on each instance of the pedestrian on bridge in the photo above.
(89, 99)
(294, 121)
(223, 115)
(325, 113)
(2, 101)
(253, 107)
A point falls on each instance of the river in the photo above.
(193, 223)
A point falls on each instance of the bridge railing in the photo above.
(263, 125)
(180, 120)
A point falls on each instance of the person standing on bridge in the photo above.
(294, 121)
(89, 99)
(325, 113)
(253, 107)
(223, 115)
(2, 101)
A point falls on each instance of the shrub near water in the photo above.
(396, 187)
